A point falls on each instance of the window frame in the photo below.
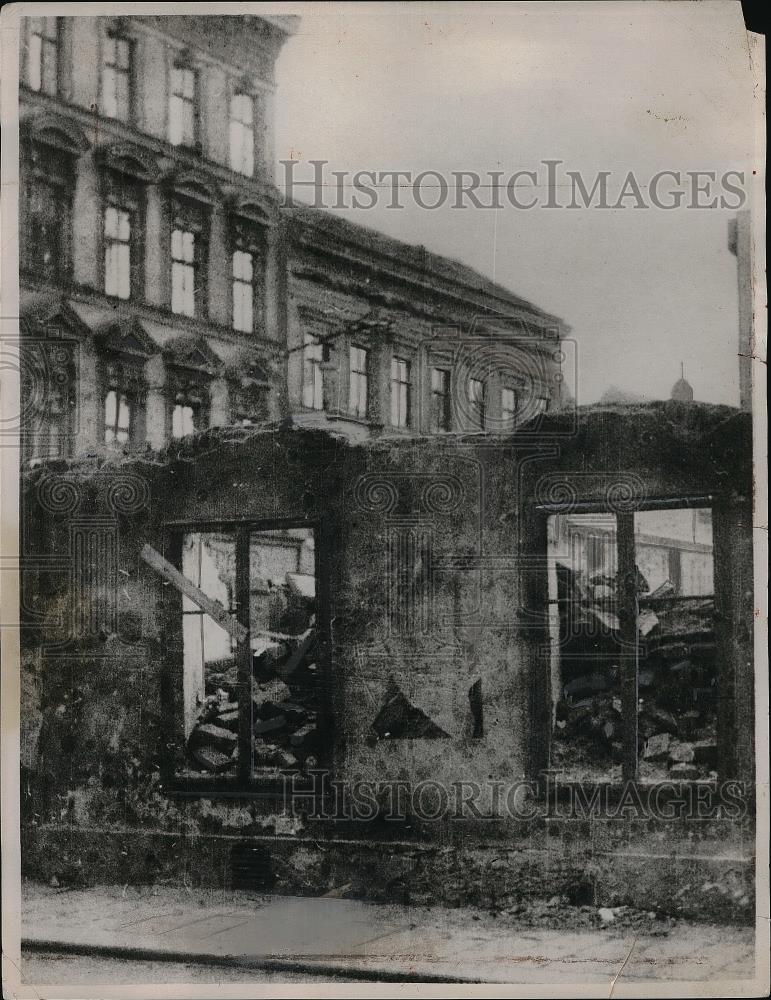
(116, 36)
(237, 282)
(46, 41)
(124, 375)
(249, 237)
(445, 424)
(61, 190)
(627, 612)
(477, 407)
(114, 426)
(192, 397)
(191, 217)
(246, 128)
(58, 370)
(362, 376)
(313, 361)
(401, 384)
(244, 783)
(508, 423)
(183, 64)
(109, 242)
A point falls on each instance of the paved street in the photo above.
(247, 936)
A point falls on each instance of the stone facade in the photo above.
(181, 296)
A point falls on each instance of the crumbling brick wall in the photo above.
(430, 586)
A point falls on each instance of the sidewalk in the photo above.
(371, 941)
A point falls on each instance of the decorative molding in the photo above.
(55, 131)
(129, 158)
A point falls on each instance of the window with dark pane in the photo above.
(440, 399)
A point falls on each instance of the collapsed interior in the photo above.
(673, 646)
(282, 710)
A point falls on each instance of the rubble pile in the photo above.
(677, 682)
(284, 709)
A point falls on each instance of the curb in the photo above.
(139, 954)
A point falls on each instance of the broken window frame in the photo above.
(627, 610)
(245, 782)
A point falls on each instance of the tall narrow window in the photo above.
(509, 407)
(183, 268)
(186, 414)
(117, 252)
(118, 413)
(243, 291)
(313, 378)
(400, 392)
(48, 221)
(476, 398)
(242, 134)
(182, 107)
(440, 399)
(49, 387)
(358, 383)
(116, 78)
(43, 55)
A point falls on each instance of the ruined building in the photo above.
(301, 514)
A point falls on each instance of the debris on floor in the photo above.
(677, 683)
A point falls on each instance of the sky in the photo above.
(599, 86)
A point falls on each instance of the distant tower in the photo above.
(682, 390)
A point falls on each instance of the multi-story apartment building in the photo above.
(164, 290)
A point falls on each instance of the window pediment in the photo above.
(192, 187)
(193, 353)
(130, 160)
(250, 210)
(126, 335)
(54, 132)
(50, 315)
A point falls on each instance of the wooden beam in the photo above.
(212, 608)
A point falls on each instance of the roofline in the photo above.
(386, 246)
